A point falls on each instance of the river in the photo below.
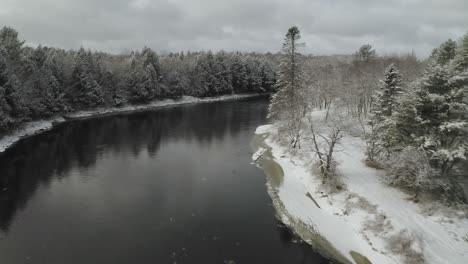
(174, 185)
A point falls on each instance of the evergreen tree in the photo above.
(4, 107)
(222, 74)
(384, 104)
(440, 114)
(445, 53)
(40, 82)
(268, 76)
(254, 73)
(460, 64)
(137, 93)
(386, 99)
(5, 110)
(239, 74)
(18, 110)
(12, 45)
(365, 53)
(87, 92)
(150, 78)
(288, 103)
(461, 56)
(404, 127)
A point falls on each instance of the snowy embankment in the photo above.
(365, 216)
(39, 126)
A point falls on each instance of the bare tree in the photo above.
(325, 147)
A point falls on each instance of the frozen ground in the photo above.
(35, 127)
(366, 216)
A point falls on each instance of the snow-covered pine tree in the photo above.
(239, 74)
(44, 91)
(132, 81)
(5, 108)
(12, 45)
(404, 124)
(19, 112)
(387, 98)
(151, 76)
(445, 53)
(460, 64)
(461, 56)
(222, 74)
(380, 136)
(268, 76)
(87, 92)
(254, 73)
(441, 112)
(287, 104)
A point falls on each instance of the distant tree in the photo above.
(461, 56)
(254, 75)
(239, 74)
(18, 109)
(365, 53)
(362, 77)
(268, 76)
(12, 45)
(288, 104)
(151, 77)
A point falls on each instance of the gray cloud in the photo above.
(328, 26)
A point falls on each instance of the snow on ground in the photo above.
(36, 127)
(368, 216)
(29, 129)
(258, 153)
(156, 104)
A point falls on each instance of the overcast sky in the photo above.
(328, 26)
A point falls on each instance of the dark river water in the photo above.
(175, 185)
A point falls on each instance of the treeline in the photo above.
(42, 82)
(354, 79)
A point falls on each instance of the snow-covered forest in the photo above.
(41, 82)
(380, 143)
(37, 83)
(407, 109)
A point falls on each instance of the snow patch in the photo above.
(367, 216)
(29, 129)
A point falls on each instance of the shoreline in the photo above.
(301, 213)
(33, 128)
(367, 217)
(265, 159)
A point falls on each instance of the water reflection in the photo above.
(162, 186)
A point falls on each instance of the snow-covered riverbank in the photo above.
(39, 126)
(365, 216)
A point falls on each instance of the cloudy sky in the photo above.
(328, 26)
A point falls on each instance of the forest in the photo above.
(40, 82)
(412, 115)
